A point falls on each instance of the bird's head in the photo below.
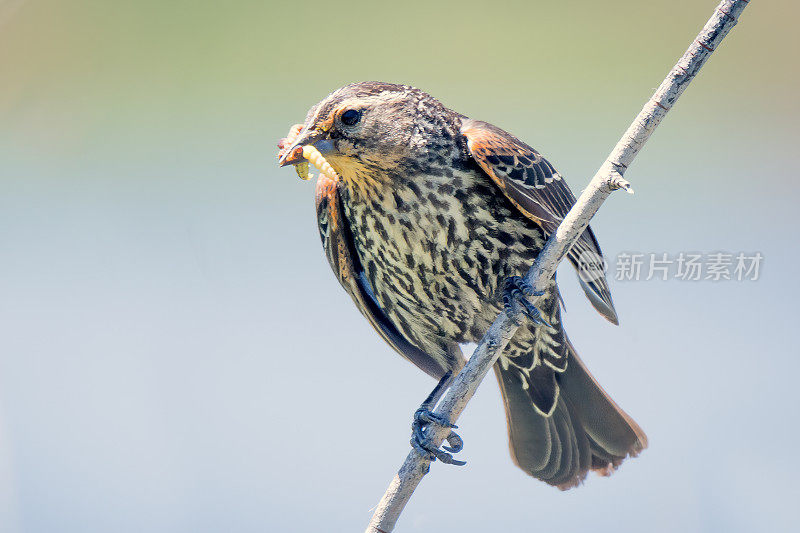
(366, 128)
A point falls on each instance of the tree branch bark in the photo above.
(607, 179)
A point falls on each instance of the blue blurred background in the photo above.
(176, 356)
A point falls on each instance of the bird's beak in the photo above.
(292, 150)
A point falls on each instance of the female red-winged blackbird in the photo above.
(431, 222)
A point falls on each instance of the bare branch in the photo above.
(606, 180)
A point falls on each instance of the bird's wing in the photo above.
(338, 244)
(531, 183)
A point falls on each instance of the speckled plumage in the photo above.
(432, 213)
(436, 248)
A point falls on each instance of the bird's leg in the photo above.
(515, 293)
(424, 417)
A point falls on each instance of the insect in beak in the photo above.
(299, 150)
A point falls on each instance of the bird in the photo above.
(429, 222)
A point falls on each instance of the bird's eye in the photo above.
(351, 117)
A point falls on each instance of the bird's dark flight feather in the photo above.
(539, 192)
(586, 431)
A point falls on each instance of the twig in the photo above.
(605, 181)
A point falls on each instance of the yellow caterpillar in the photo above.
(318, 160)
(311, 154)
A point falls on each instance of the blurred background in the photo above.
(176, 356)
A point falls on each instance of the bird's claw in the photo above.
(423, 418)
(515, 293)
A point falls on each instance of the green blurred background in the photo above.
(175, 354)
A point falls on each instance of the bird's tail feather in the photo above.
(586, 431)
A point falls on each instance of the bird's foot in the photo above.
(424, 418)
(515, 293)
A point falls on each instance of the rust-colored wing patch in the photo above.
(531, 183)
